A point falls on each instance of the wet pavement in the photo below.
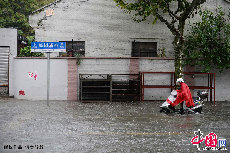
(74, 127)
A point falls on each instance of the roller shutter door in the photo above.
(4, 66)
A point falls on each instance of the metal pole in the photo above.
(48, 77)
(214, 88)
(143, 84)
(208, 84)
(211, 77)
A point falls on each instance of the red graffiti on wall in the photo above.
(32, 75)
(22, 92)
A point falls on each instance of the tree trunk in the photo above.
(178, 47)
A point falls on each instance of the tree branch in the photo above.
(171, 13)
(180, 6)
(169, 25)
(191, 7)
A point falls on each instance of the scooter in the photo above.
(198, 101)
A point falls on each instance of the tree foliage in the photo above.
(15, 14)
(173, 13)
(26, 52)
(208, 43)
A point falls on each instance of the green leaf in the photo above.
(208, 42)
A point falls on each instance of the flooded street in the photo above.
(74, 127)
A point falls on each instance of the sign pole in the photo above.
(48, 47)
(48, 77)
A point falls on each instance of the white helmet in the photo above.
(179, 80)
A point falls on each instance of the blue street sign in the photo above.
(48, 47)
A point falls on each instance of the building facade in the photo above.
(108, 42)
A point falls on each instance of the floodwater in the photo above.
(75, 127)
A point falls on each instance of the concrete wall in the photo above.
(156, 79)
(8, 38)
(223, 85)
(64, 75)
(26, 87)
(64, 78)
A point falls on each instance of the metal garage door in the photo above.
(4, 70)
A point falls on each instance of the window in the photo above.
(75, 47)
(144, 49)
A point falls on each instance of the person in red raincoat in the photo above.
(184, 94)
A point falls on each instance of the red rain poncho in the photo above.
(184, 94)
